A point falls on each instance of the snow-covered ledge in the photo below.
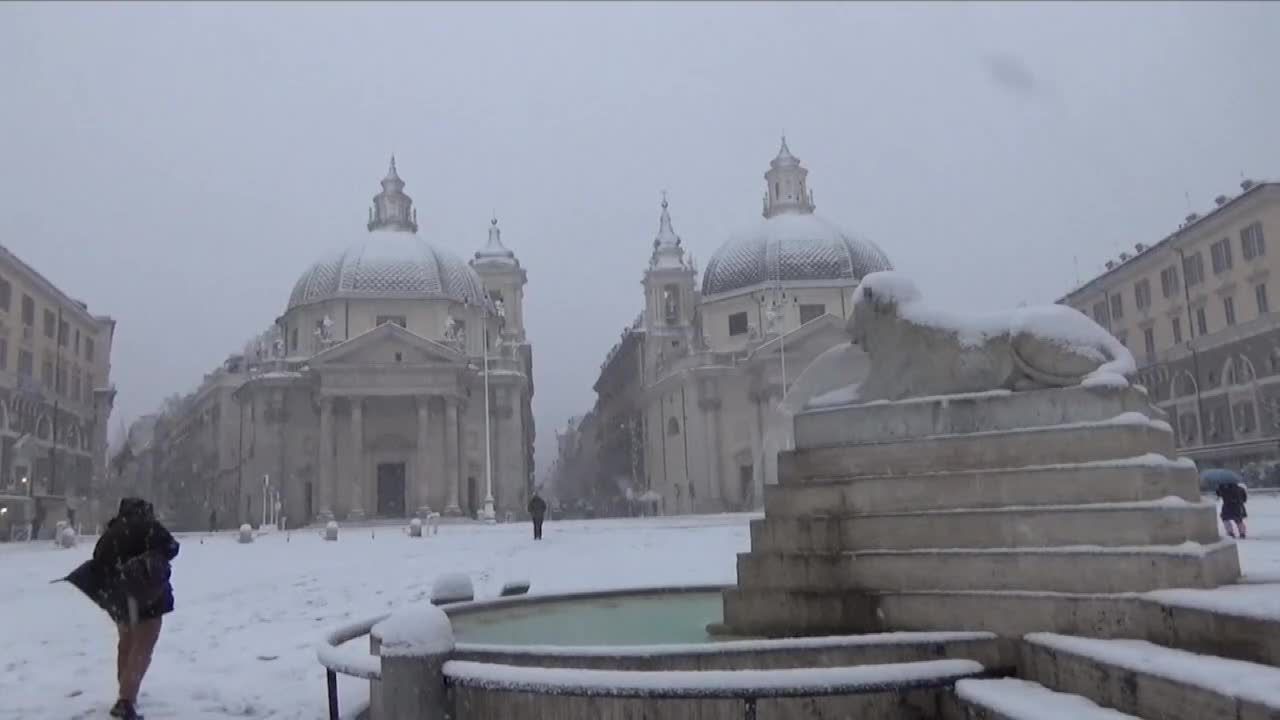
(414, 644)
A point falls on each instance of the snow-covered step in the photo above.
(829, 651)
(1131, 479)
(1168, 521)
(1152, 681)
(1069, 569)
(1013, 699)
(1125, 437)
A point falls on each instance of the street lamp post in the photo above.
(487, 513)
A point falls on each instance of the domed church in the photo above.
(369, 398)
(710, 364)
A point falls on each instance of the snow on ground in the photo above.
(242, 641)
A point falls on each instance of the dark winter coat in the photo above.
(1234, 496)
(537, 507)
(130, 592)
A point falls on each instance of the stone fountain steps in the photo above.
(1063, 569)
(970, 413)
(1056, 445)
(1014, 699)
(1171, 521)
(1151, 681)
(1134, 479)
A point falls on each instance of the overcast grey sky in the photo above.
(178, 166)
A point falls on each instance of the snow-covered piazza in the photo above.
(245, 644)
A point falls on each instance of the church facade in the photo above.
(688, 401)
(367, 396)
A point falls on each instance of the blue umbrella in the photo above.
(1221, 476)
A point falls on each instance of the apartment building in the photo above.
(55, 400)
(1198, 311)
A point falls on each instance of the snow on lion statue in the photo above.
(916, 350)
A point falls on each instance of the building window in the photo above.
(293, 339)
(1142, 294)
(811, 312)
(673, 426)
(738, 323)
(1260, 294)
(1169, 281)
(77, 347)
(6, 294)
(1193, 269)
(4, 353)
(46, 373)
(1252, 244)
(88, 388)
(1100, 314)
(1202, 322)
(50, 324)
(60, 382)
(26, 363)
(63, 333)
(671, 304)
(1117, 306)
(76, 392)
(88, 349)
(1220, 253)
(1177, 329)
(392, 319)
(1149, 341)
(1229, 309)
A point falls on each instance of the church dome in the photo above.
(792, 244)
(389, 265)
(391, 261)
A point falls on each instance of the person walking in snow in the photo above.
(538, 511)
(128, 577)
(1234, 497)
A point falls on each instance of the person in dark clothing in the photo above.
(213, 520)
(128, 577)
(1234, 497)
(36, 521)
(538, 511)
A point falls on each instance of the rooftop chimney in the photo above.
(1111, 264)
(1140, 247)
(1220, 200)
(1192, 217)
(1247, 184)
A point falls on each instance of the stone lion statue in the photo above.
(916, 350)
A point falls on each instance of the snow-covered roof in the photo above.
(389, 264)
(791, 247)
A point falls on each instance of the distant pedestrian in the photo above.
(1234, 497)
(128, 577)
(213, 520)
(37, 520)
(538, 511)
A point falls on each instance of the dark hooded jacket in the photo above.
(1234, 496)
(134, 532)
(537, 507)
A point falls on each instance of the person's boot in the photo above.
(117, 710)
(129, 711)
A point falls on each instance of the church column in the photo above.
(710, 408)
(325, 460)
(453, 458)
(357, 458)
(424, 459)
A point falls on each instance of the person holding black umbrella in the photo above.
(128, 577)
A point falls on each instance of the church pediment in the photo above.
(387, 344)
